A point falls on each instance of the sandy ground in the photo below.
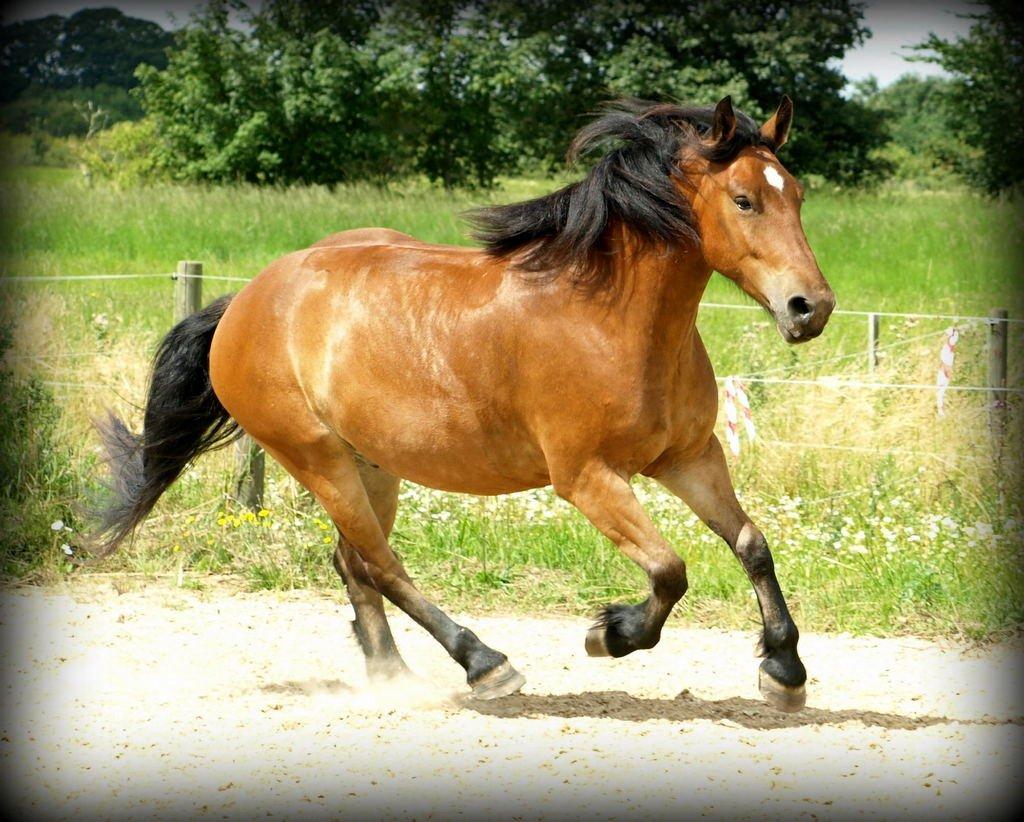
(161, 702)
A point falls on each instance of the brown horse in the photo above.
(565, 353)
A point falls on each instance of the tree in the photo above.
(265, 106)
(463, 91)
(27, 54)
(923, 144)
(450, 76)
(987, 92)
(698, 51)
(89, 48)
(51, 65)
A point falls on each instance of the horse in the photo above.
(562, 352)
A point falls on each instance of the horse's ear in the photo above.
(776, 130)
(723, 124)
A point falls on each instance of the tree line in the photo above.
(462, 92)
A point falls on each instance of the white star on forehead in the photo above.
(774, 178)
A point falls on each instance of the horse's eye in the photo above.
(743, 203)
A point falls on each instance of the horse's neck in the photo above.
(659, 293)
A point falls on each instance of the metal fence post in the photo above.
(998, 334)
(188, 289)
(874, 327)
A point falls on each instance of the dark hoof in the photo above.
(619, 630)
(501, 681)
(788, 698)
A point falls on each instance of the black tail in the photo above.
(183, 419)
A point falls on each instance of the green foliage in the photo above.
(32, 151)
(57, 72)
(698, 52)
(924, 145)
(122, 154)
(34, 482)
(64, 112)
(986, 98)
(464, 92)
(91, 47)
(230, 106)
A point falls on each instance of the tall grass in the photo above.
(882, 516)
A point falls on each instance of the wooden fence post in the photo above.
(998, 334)
(250, 461)
(874, 327)
(250, 469)
(188, 289)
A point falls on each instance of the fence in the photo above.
(250, 461)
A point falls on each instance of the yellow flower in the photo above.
(264, 512)
(176, 548)
(328, 538)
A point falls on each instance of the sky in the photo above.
(895, 24)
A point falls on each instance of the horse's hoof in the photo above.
(786, 698)
(596, 642)
(502, 681)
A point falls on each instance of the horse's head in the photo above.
(747, 210)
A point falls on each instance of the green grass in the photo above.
(919, 531)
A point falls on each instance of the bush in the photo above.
(126, 154)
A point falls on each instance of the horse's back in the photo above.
(365, 236)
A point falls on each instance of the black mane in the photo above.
(634, 182)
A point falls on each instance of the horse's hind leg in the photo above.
(704, 485)
(371, 624)
(332, 475)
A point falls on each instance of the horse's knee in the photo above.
(668, 579)
(752, 549)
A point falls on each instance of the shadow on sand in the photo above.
(748, 713)
(686, 707)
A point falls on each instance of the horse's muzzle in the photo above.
(804, 316)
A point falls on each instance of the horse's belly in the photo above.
(442, 446)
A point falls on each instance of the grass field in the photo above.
(882, 517)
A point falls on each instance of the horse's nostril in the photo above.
(800, 308)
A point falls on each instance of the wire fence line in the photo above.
(64, 278)
(823, 382)
(714, 305)
(223, 278)
(78, 277)
(843, 357)
(848, 312)
(838, 382)
(762, 376)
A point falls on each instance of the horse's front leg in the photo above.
(605, 498)
(705, 486)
